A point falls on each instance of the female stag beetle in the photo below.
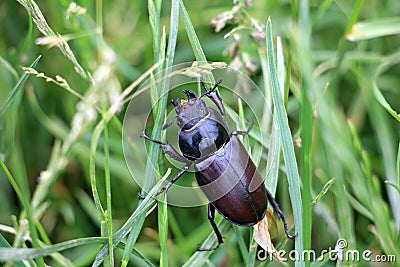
(223, 168)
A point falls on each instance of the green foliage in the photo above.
(331, 155)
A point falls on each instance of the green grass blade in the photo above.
(287, 145)
(375, 28)
(143, 207)
(5, 244)
(8, 67)
(385, 64)
(194, 41)
(200, 258)
(130, 242)
(28, 209)
(191, 33)
(92, 168)
(306, 120)
(32, 253)
(108, 196)
(272, 168)
(398, 166)
(159, 118)
(343, 45)
(324, 190)
(15, 95)
(163, 230)
(385, 141)
(393, 185)
(154, 19)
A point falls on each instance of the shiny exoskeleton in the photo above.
(223, 168)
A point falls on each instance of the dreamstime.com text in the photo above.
(338, 253)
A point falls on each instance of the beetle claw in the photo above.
(293, 237)
(140, 196)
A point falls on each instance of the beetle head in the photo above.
(189, 109)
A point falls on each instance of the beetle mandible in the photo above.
(220, 162)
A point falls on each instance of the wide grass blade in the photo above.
(287, 145)
(194, 40)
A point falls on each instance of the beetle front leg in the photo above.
(214, 96)
(167, 149)
(244, 132)
(281, 215)
(211, 215)
(171, 151)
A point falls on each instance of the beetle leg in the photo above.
(165, 126)
(281, 215)
(170, 183)
(167, 149)
(211, 214)
(145, 136)
(214, 96)
(244, 132)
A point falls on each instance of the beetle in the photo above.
(223, 168)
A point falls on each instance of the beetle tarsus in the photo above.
(198, 248)
(140, 196)
(211, 215)
(172, 181)
(169, 184)
(287, 231)
(250, 121)
(281, 214)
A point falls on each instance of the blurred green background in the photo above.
(341, 97)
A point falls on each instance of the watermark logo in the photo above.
(339, 253)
